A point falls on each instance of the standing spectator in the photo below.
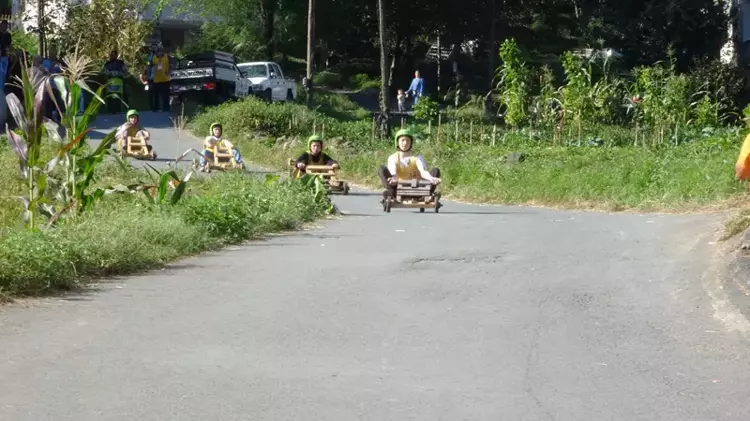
(6, 43)
(162, 79)
(416, 88)
(116, 70)
(401, 97)
(147, 78)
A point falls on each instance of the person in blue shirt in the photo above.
(416, 88)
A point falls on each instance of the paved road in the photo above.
(476, 313)
(167, 143)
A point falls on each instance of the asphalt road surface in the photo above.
(475, 313)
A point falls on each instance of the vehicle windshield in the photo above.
(255, 70)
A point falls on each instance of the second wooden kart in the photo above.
(413, 194)
(329, 175)
(223, 160)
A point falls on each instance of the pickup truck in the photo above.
(212, 77)
(268, 81)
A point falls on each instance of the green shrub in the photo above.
(122, 234)
(328, 79)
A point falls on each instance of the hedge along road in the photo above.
(478, 313)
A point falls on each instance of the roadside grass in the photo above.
(570, 173)
(123, 234)
(738, 223)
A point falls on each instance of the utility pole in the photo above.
(439, 57)
(308, 84)
(384, 102)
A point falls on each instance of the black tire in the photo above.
(388, 206)
(289, 96)
(346, 189)
(437, 206)
(268, 96)
(421, 210)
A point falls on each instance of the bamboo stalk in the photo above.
(471, 131)
(494, 133)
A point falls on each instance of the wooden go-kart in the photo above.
(328, 174)
(223, 160)
(136, 147)
(413, 194)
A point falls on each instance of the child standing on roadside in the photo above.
(401, 101)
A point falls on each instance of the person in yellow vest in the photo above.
(162, 79)
(132, 128)
(315, 155)
(406, 165)
(216, 139)
(742, 166)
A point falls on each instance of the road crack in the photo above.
(531, 361)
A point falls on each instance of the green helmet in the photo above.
(314, 138)
(216, 124)
(404, 132)
(132, 113)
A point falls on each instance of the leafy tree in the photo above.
(93, 25)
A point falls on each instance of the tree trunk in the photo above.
(310, 38)
(492, 47)
(269, 18)
(41, 25)
(394, 60)
(384, 102)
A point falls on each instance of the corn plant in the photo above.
(79, 166)
(26, 142)
(158, 192)
(545, 106)
(576, 92)
(513, 86)
(664, 99)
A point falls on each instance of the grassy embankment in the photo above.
(618, 175)
(124, 233)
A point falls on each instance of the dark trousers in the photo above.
(390, 190)
(114, 105)
(159, 97)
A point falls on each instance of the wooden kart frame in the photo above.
(413, 193)
(329, 175)
(136, 148)
(223, 160)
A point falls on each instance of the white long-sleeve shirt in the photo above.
(421, 165)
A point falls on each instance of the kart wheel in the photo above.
(438, 205)
(421, 210)
(388, 206)
(346, 189)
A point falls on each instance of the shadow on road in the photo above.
(351, 193)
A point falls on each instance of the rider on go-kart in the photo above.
(132, 128)
(406, 165)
